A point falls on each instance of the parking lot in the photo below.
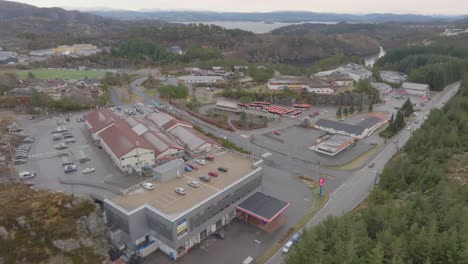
(44, 159)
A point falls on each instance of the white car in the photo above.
(180, 190)
(27, 174)
(223, 137)
(194, 184)
(287, 246)
(201, 162)
(88, 170)
(148, 186)
(408, 128)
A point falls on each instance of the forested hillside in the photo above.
(419, 210)
(436, 65)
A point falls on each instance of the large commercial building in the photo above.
(194, 79)
(311, 85)
(383, 88)
(417, 89)
(332, 145)
(174, 223)
(361, 130)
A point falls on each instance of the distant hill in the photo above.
(200, 16)
(20, 23)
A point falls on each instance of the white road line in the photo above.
(266, 154)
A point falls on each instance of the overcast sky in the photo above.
(338, 6)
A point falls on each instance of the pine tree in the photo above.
(345, 111)
(351, 110)
(391, 123)
(371, 107)
(360, 107)
(338, 112)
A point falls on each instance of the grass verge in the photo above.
(318, 204)
(151, 92)
(358, 161)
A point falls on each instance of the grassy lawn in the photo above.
(59, 74)
(358, 161)
(318, 204)
(151, 92)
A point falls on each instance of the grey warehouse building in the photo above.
(146, 220)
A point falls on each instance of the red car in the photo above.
(277, 133)
(194, 167)
(213, 173)
(210, 158)
(317, 113)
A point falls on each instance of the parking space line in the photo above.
(209, 186)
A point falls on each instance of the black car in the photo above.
(205, 178)
(19, 161)
(219, 235)
(223, 169)
(371, 165)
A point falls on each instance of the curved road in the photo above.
(360, 183)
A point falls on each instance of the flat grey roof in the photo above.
(262, 206)
(166, 200)
(357, 130)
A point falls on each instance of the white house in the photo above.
(383, 88)
(417, 89)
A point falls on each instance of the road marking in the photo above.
(209, 186)
(266, 154)
(244, 136)
(339, 188)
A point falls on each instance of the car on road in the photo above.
(205, 178)
(371, 165)
(223, 137)
(213, 173)
(89, 170)
(194, 184)
(277, 132)
(180, 190)
(223, 169)
(148, 186)
(416, 122)
(201, 162)
(219, 235)
(408, 128)
(61, 146)
(287, 246)
(70, 168)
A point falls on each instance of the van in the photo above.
(287, 246)
(27, 174)
(82, 157)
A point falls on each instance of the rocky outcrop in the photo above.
(66, 245)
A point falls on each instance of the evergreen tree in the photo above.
(338, 112)
(351, 110)
(371, 107)
(345, 111)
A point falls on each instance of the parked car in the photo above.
(201, 162)
(89, 170)
(213, 173)
(193, 166)
(287, 246)
(277, 133)
(26, 175)
(408, 128)
(205, 178)
(371, 165)
(148, 186)
(61, 146)
(223, 169)
(70, 168)
(187, 168)
(218, 235)
(194, 184)
(70, 140)
(210, 158)
(19, 161)
(180, 190)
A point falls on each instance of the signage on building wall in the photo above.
(182, 228)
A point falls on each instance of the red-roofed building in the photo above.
(98, 120)
(126, 148)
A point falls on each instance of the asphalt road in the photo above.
(347, 196)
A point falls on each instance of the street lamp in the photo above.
(258, 242)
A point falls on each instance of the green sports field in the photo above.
(47, 74)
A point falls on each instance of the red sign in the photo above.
(321, 181)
